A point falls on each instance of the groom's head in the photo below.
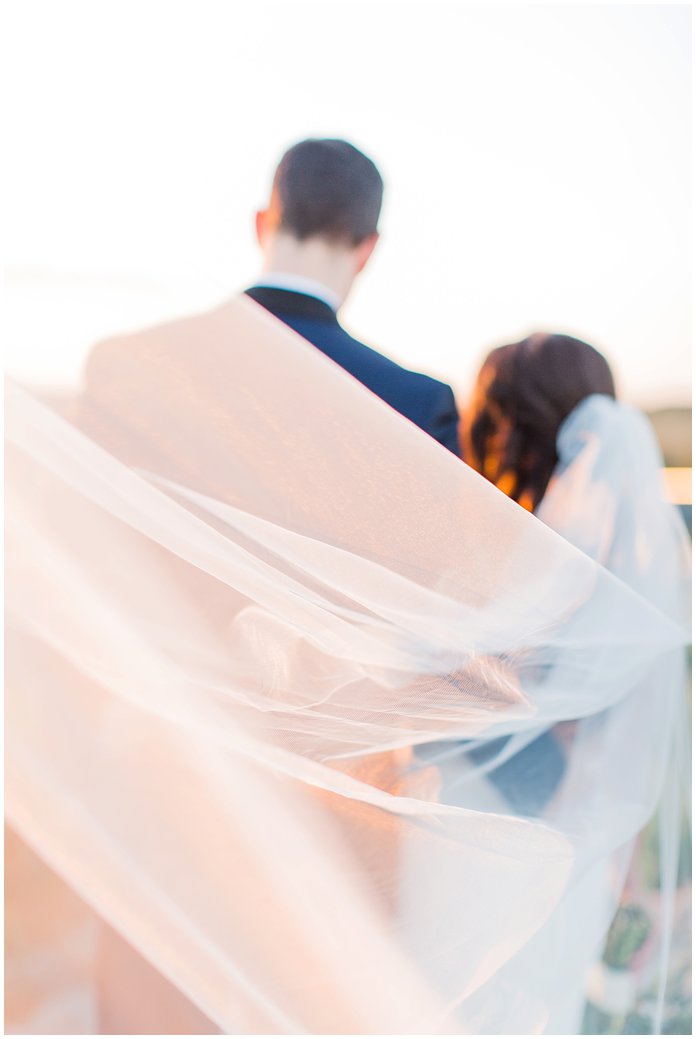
(322, 216)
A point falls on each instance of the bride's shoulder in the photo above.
(610, 421)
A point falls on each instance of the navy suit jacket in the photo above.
(426, 402)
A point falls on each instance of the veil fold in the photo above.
(338, 737)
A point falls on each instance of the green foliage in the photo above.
(650, 854)
(679, 1024)
(627, 934)
(596, 1022)
(637, 1024)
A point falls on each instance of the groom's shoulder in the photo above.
(137, 346)
(424, 400)
(416, 384)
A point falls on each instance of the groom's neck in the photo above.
(333, 266)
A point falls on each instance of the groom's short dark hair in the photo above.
(329, 189)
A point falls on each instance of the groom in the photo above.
(316, 235)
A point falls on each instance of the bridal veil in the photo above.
(336, 736)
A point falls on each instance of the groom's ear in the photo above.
(268, 219)
(261, 225)
(364, 250)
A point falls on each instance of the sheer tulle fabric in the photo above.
(335, 735)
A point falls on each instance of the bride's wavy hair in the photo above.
(523, 393)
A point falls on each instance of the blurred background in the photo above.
(536, 158)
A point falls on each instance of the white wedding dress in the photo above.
(281, 671)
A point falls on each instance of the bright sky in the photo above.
(537, 163)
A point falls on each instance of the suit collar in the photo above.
(293, 304)
(299, 283)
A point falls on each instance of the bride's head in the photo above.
(523, 393)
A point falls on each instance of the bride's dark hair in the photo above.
(523, 393)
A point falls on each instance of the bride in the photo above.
(262, 676)
(545, 427)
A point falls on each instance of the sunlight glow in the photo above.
(536, 161)
(678, 484)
